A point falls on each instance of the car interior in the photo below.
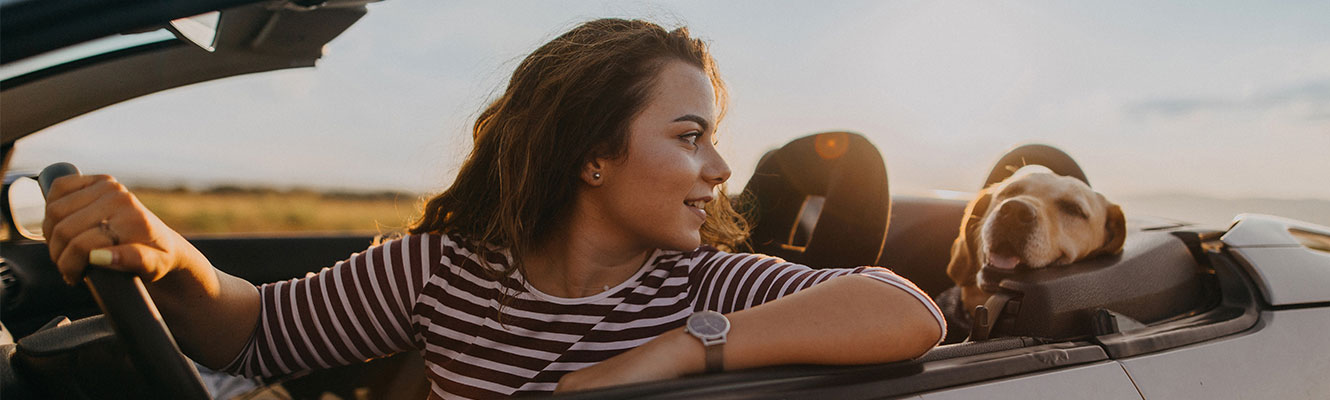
(822, 200)
(808, 199)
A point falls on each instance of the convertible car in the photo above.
(1184, 311)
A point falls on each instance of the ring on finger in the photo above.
(106, 229)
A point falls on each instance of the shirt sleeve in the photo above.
(354, 311)
(729, 282)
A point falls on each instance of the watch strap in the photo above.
(715, 357)
(713, 342)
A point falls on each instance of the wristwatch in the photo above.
(710, 327)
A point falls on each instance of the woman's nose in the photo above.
(716, 170)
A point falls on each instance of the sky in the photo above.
(1223, 99)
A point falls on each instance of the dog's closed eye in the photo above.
(1012, 191)
(1072, 208)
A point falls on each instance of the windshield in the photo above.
(1192, 111)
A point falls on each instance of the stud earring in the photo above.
(595, 175)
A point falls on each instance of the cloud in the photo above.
(1314, 94)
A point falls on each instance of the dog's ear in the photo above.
(1115, 227)
(964, 266)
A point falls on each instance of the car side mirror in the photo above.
(27, 207)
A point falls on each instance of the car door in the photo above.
(1284, 358)
(1102, 380)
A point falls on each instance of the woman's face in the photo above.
(655, 195)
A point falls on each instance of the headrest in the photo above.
(1035, 154)
(821, 200)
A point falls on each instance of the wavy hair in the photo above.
(570, 101)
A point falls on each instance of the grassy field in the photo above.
(265, 211)
(243, 210)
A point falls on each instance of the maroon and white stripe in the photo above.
(428, 292)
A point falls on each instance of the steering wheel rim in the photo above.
(125, 301)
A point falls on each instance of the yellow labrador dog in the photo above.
(1028, 221)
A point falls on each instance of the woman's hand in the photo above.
(669, 356)
(94, 212)
(211, 314)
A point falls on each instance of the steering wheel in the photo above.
(125, 301)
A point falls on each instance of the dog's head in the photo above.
(1031, 221)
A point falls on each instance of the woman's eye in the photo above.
(691, 137)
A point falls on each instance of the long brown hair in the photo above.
(567, 103)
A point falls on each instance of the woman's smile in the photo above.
(698, 207)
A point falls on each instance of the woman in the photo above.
(578, 239)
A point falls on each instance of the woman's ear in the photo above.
(593, 172)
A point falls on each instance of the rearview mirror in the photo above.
(200, 29)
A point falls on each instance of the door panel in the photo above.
(1103, 380)
(1284, 359)
(270, 259)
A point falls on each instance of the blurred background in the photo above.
(1188, 110)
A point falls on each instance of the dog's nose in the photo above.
(1015, 211)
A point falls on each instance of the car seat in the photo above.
(821, 200)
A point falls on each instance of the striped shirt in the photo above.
(428, 292)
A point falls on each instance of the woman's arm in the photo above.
(851, 319)
(211, 314)
(356, 310)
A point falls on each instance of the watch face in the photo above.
(708, 324)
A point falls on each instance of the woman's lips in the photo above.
(697, 207)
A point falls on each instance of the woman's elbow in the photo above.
(921, 332)
(910, 323)
(926, 336)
